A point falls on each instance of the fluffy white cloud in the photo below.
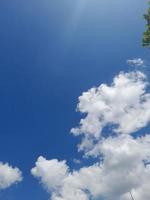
(122, 170)
(124, 104)
(51, 172)
(123, 162)
(9, 175)
(136, 62)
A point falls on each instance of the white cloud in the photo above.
(121, 171)
(76, 161)
(136, 62)
(9, 175)
(124, 104)
(123, 162)
(51, 172)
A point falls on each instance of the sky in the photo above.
(52, 52)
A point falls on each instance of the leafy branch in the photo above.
(146, 34)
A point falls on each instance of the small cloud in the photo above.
(9, 175)
(136, 62)
(76, 161)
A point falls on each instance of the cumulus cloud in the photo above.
(122, 161)
(124, 105)
(50, 172)
(9, 175)
(136, 62)
(122, 170)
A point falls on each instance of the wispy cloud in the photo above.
(136, 62)
(76, 161)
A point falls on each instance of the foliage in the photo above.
(146, 34)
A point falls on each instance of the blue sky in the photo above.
(51, 51)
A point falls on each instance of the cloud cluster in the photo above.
(136, 62)
(123, 161)
(9, 175)
(124, 105)
(123, 169)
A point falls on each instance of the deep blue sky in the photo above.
(50, 52)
